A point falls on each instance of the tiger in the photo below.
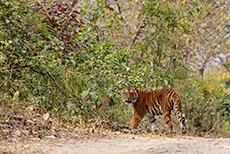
(154, 103)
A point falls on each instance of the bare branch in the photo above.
(4, 82)
(119, 8)
(214, 126)
(49, 74)
(121, 17)
(74, 3)
(137, 34)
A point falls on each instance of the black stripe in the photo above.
(160, 109)
(173, 94)
(178, 114)
(157, 103)
(157, 111)
(171, 103)
(182, 120)
(167, 116)
(153, 121)
(147, 108)
(170, 92)
(168, 121)
(153, 112)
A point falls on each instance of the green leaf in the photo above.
(84, 93)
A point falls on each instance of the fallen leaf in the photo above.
(46, 116)
(30, 133)
(90, 120)
(5, 117)
(16, 95)
(1, 130)
(187, 39)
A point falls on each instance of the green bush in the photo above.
(201, 105)
(70, 76)
(61, 61)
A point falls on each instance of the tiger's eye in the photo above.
(131, 91)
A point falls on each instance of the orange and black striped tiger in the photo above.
(152, 103)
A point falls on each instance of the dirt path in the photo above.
(117, 145)
(34, 136)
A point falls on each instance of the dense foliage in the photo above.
(71, 63)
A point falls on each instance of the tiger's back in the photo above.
(153, 103)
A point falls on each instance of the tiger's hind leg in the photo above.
(153, 122)
(167, 117)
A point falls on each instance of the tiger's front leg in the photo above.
(136, 119)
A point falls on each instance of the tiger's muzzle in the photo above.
(131, 100)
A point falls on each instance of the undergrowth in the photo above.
(59, 64)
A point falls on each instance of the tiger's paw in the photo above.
(171, 134)
(184, 131)
(155, 130)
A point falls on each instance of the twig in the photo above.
(137, 33)
(214, 126)
(74, 3)
(119, 8)
(14, 117)
(29, 66)
(147, 80)
(121, 17)
(4, 82)
(49, 74)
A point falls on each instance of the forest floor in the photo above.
(18, 135)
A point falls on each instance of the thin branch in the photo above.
(119, 13)
(147, 80)
(74, 3)
(13, 117)
(49, 74)
(59, 87)
(214, 126)
(29, 66)
(119, 8)
(4, 82)
(138, 33)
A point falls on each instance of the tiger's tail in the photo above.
(175, 102)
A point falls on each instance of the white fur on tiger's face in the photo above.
(129, 95)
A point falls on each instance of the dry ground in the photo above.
(18, 135)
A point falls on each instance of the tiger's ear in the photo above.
(123, 87)
(135, 87)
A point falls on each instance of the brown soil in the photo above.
(19, 135)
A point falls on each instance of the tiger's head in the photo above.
(129, 95)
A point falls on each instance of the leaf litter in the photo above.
(21, 135)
